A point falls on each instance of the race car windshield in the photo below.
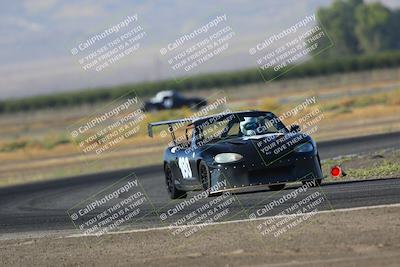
(238, 126)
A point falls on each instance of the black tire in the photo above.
(149, 107)
(204, 174)
(276, 187)
(173, 192)
(318, 182)
(193, 107)
(319, 161)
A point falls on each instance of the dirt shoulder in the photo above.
(367, 237)
(379, 164)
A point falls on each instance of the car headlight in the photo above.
(306, 147)
(227, 157)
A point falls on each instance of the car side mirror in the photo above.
(295, 128)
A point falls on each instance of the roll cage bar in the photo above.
(170, 123)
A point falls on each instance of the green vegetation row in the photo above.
(207, 81)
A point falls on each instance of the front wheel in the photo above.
(204, 174)
(173, 192)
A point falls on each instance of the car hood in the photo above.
(268, 146)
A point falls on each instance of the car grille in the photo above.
(277, 173)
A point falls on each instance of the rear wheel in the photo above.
(193, 106)
(173, 192)
(150, 108)
(276, 187)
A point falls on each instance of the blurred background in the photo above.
(45, 87)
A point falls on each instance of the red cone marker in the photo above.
(336, 171)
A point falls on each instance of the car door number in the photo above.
(184, 166)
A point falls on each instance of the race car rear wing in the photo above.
(169, 123)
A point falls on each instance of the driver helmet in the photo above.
(252, 126)
(249, 126)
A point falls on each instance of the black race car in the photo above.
(237, 151)
(173, 100)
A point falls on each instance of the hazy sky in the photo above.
(36, 38)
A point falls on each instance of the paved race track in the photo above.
(43, 206)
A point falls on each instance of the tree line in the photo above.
(358, 28)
